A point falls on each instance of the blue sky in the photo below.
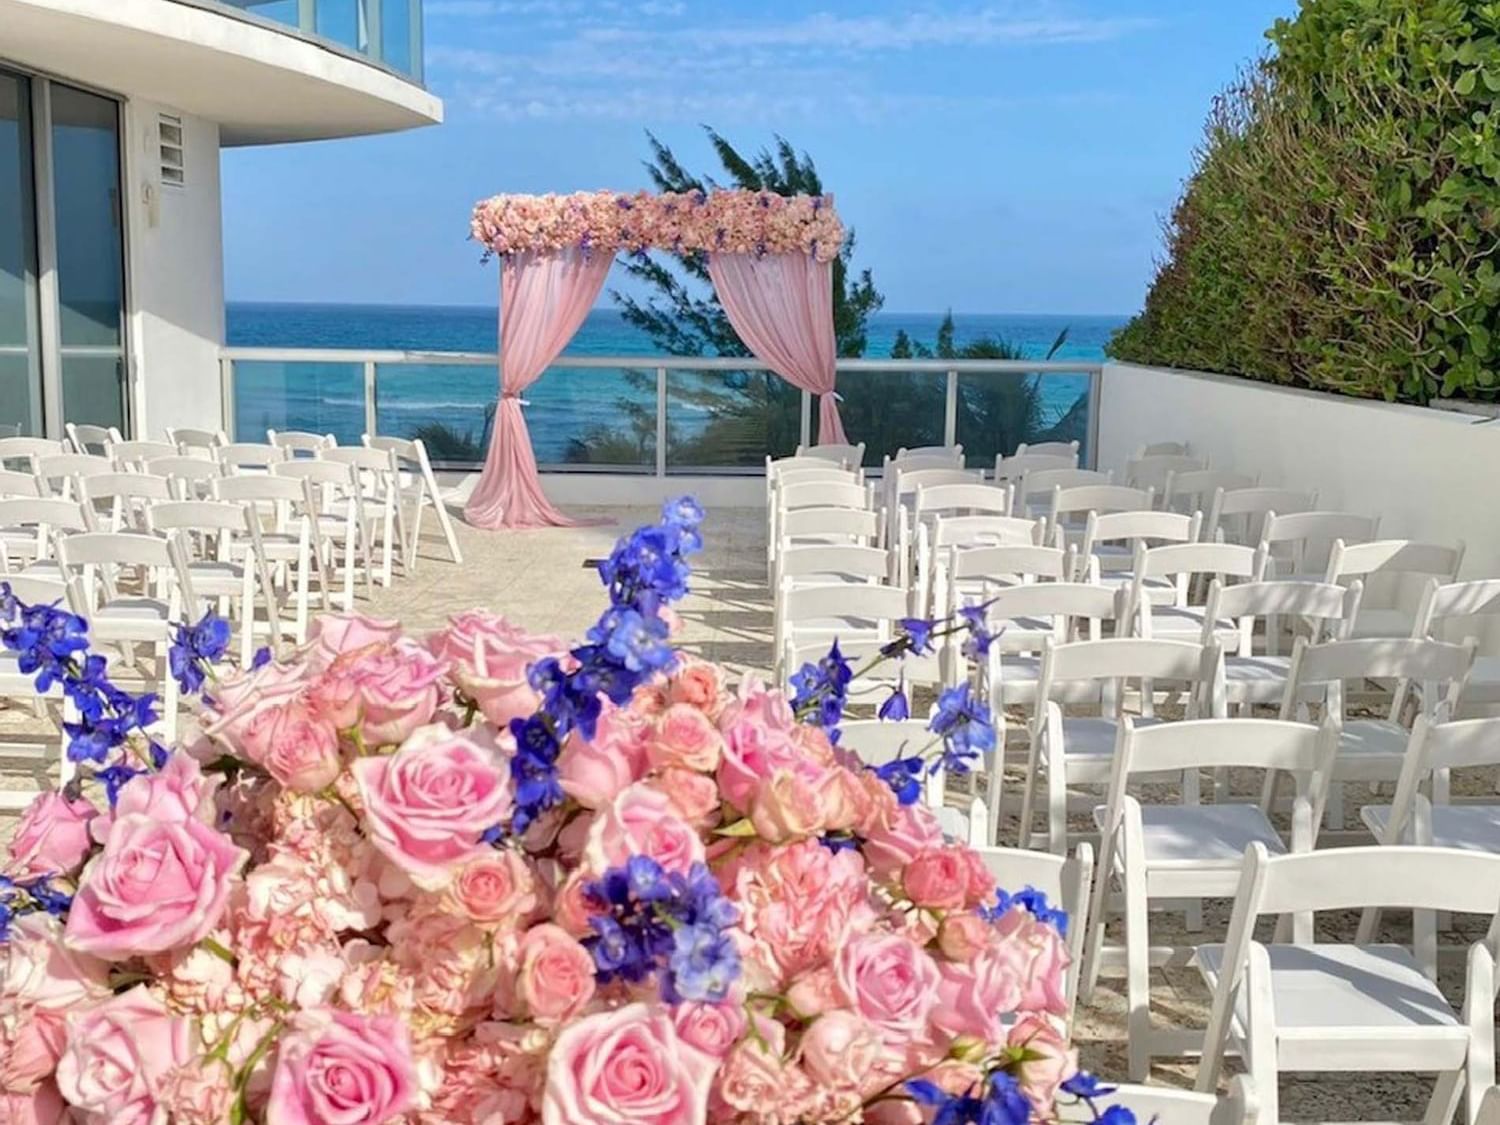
(992, 157)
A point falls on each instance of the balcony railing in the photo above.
(660, 415)
(388, 32)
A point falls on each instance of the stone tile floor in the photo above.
(543, 580)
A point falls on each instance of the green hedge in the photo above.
(1341, 227)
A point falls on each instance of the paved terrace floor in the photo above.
(543, 580)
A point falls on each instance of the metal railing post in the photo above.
(370, 397)
(1096, 393)
(226, 395)
(805, 437)
(950, 410)
(661, 421)
(307, 16)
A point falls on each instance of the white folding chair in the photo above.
(1193, 490)
(1167, 1106)
(1438, 747)
(1036, 489)
(1011, 469)
(1049, 449)
(825, 564)
(127, 496)
(1252, 676)
(1152, 471)
(192, 477)
(1394, 573)
(878, 741)
(1372, 750)
(376, 475)
(288, 538)
(59, 471)
(846, 611)
(240, 457)
(1113, 536)
(419, 484)
(84, 438)
(15, 483)
(1350, 1007)
(1238, 515)
(804, 469)
(20, 453)
(132, 455)
(93, 564)
(1162, 449)
(873, 682)
(973, 574)
(808, 526)
(299, 443)
(200, 443)
(206, 529)
(1162, 586)
(850, 455)
(846, 494)
(1160, 854)
(1452, 611)
(32, 753)
(1078, 749)
(336, 509)
(1301, 543)
(1069, 509)
(29, 527)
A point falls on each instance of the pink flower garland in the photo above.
(731, 222)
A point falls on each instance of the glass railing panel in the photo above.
(889, 410)
(323, 398)
(396, 35)
(720, 420)
(997, 411)
(277, 11)
(450, 407)
(593, 417)
(387, 31)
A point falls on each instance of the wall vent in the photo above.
(169, 141)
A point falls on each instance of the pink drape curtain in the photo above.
(781, 306)
(544, 299)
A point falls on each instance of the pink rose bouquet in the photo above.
(478, 877)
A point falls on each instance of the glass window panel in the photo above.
(324, 398)
(996, 412)
(587, 416)
(451, 408)
(730, 419)
(86, 178)
(20, 396)
(279, 11)
(91, 389)
(342, 21)
(890, 409)
(395, 34)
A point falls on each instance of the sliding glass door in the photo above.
(62, 258)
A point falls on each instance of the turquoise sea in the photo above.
(599, 417)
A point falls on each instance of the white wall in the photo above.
(1429, 474)
(176, 278)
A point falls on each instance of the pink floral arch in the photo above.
(769, 258)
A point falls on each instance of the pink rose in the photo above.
(840, 1049)
(43, 1106)
(200, 1093)
(891, 982)
(963, 936)
(625, 1067)
(240, 696)
(427, 805)
(904, 835)
(177, 792)
(395, 689)
(699, 684)
(593, 773)
(1047, 1061)
(156, 886)
(975, 996)
(711, 1028)
(37, 969)
(333, 634)
(937, 878)
(117, 1053)
(337, 1068)
(51, 838)
(755, 1077)
(497, 889)
(694, 796)
(815, 993)
(640, 821)
(296, 746)
(489, 658)
(684, 736)
(758, 739)
(788, 805)
(30, 1043)
(571, 908)
(556, 978)
(1040, 958)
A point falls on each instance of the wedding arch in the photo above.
(769, 258)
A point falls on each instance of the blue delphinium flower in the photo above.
(1032, 901)
(195, 648)
(978, 639)
(904, 777)
(820, 691)
(896, 707)
(965, 727)
(914, 636)
(664, 922)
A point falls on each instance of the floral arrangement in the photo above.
(482, 877)
(720, 221)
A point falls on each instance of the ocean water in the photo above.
(608, 416)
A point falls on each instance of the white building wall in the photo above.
(175, 258)
(1427, 473)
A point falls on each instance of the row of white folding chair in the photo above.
(849, 612)
(1193, 490)
(847, 492)
(1153, 471)
(1031, 458)
(958, 512)
(1238, 515)
(27, 751)
(1454, 610)
(851, 456)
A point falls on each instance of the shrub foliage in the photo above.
(1341, 227)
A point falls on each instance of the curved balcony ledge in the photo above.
(262, 83)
